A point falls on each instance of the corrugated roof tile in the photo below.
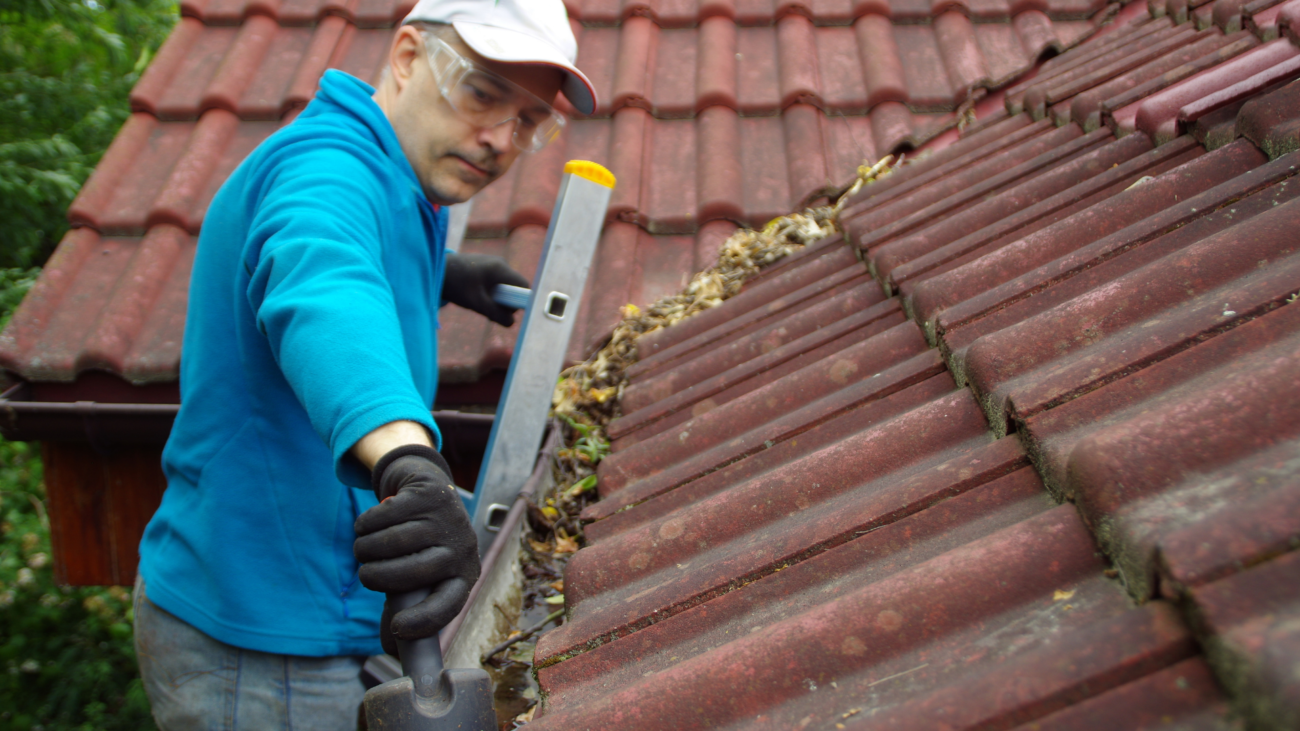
(1249, 622)
(57, 340)
(1021, 269)
(1269, 121)
(1023, 223)
(1157, 115)
(812, 349)
(832, 283)
(1081, 160)
(773, 104)
(1120, 311)
(1169, 67)
(742, 345)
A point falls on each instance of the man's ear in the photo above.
(404, 54)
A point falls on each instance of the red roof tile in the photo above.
(833, 500)
(713, 113)
(1249, 621)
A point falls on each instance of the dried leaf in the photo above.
(1061, 595)
(565, 544)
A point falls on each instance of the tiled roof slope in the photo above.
(713, 113)
(872, 496)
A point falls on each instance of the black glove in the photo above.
(469, 281)
(418, 537)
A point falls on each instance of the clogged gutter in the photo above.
(587, 398)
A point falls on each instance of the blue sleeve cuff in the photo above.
(350, 430)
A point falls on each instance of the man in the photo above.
(309, 370)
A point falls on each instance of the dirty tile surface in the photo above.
(1018, 450)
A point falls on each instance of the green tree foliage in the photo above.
(66, 656)
(66, 68)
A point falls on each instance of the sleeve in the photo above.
(320, 296)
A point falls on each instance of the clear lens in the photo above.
(487, 100)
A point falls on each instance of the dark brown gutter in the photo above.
(106, 425)
(102, 424)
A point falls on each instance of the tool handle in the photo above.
(508, 295)
(421, 659)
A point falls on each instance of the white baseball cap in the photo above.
(516, 31)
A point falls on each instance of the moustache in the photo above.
(487, 163)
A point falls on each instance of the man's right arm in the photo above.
(370, 448)
(419, 535)
(319, 293)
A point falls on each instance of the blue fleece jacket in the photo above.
(313, 306)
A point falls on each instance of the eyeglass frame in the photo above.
(455, 71)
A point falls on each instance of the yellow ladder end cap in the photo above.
(595, 172)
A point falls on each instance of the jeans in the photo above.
(196, 683)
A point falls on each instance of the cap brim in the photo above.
(508, 46)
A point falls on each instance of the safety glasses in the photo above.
(487, 100)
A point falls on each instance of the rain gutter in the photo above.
(473, 631)
(114, 424)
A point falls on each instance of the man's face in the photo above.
(452, 158)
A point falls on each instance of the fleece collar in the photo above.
(356, 98)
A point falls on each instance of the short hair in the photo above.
(442, 31)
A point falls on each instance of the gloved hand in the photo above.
(418, 537)
(469, 281)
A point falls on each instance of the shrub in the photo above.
(66, 658)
